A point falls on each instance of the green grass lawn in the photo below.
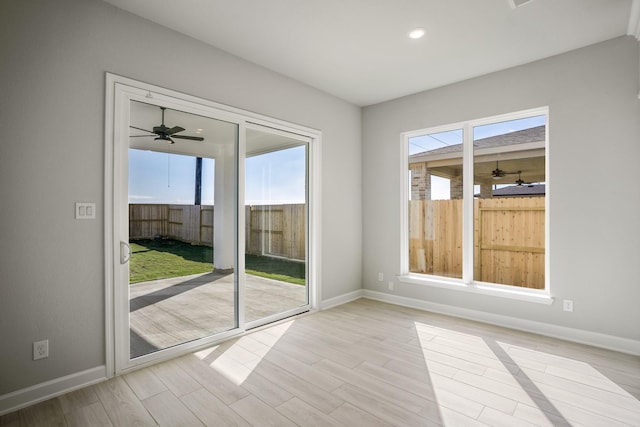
(161, 259)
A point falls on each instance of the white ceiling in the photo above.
(359, 51)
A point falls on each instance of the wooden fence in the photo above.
(509, 236)
(276, 230)
(273, 230)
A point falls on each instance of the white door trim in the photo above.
(119, 91)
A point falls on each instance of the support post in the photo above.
(198, 190)
(224, 202)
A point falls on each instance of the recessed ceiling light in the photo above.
(416, 33)
(199, 130)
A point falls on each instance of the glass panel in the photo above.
(182, 285)
(276, 224)
(509, 205)
(435, 204)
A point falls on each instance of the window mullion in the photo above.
(467, 205)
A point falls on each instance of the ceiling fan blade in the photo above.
(192, 138)
(173, 130)
(141, 136)
(144, 130)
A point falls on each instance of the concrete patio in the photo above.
(168, 312)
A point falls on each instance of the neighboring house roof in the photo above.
(534, 134)
(525, 190)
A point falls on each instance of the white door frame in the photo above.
(119, 92)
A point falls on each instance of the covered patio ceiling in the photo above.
(531, 166)
(518, 155)
(215, 132)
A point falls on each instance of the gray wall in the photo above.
(54, 56)
(594, 134)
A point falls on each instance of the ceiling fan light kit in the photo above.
(167, 139)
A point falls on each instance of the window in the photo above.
(435, 203)
(476, 206)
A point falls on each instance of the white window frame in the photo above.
(467, 283)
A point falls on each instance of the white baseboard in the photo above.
(40, 392)
(341, 299)
(581, 336)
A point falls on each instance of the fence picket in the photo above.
(509, 236)
(274, 230)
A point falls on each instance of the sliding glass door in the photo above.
(181, 206)
(210, 223)
(276, 225)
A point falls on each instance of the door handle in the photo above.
(125, 252)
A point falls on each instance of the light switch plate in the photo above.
(85, 210)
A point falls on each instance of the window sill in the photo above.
(501, 291)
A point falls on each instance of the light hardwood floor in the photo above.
(365, 363)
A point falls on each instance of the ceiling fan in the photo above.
(520, 182)
(498, 173)
(164, 133)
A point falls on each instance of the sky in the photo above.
(432, 141)
(272, 178)
(440, 189)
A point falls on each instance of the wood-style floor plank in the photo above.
(215, 382)
(350, 415)
(11, 419)
(381, 408)
(497, 418)
(538, 417)
(270, 392)
(306, 415)
(168, 410)
(320, 399)
(306, 372)
(211, 410)
(78, 399)
(454, 418)
(258, 413)
(364, 363)
(377, 388)
(121, 404)
(175, 378)
(90, 415)
(144, 383)
(45, 414)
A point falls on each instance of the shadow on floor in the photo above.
(143, 301)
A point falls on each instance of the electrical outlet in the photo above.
(380, 277)
(567, 305)
(40, 349)
(390, 286)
